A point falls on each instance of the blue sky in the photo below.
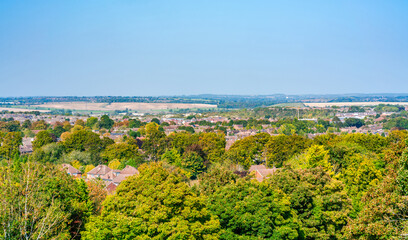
(148, 47)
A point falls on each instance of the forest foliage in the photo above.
(334, 186)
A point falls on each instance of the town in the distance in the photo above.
(204, 167)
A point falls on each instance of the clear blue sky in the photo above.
(153, 47)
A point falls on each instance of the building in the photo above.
(261, 172)
(98, 171)
(71, 170)
(126, 172)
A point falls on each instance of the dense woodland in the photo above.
(334, 186)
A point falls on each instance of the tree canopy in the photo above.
(156, 204)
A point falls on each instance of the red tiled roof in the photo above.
(111, 187)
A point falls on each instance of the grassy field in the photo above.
(295, 105)
(122, 106)
(347, 104)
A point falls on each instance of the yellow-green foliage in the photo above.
(315, 156)
(76, 164)
(114, 164)
(88, 168)
(154, 205)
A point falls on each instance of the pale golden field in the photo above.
(122, 106)
(347, 104)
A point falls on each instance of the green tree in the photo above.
(134, 134)
(41, 139)
(135, 123)
(249, 210)
(281, 148)
(213, 145)
(106, 122)
(39, 125)
(10, 145)
(58, 130)
(49, 153)
(83, 140)
(90, 122)
(153, 205)
(399, 122)
(248, 151)
(193, 163)
(134, 162)
(315, 156)
(41, 202)
(354, 122)
(154, 141)
(84, 158)
(184, 141)
(373, 142)
(320, 202)
(337, 122)
(120, 151)
(10, 126)
(383, 215)
(217, 176)
(26, 124)
(402, 174)
(187, 129)
(287, 129)
(172, 156)
(156, 120)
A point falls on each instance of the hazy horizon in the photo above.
(209, 94)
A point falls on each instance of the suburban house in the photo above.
(71, 170)
(26, 149)
(261, 172)
(27, 146)
(110, 175)
(98, 171)
(113, 177)
(126, 172)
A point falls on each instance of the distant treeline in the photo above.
(222, 101)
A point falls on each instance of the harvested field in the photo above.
(122, 106)
(347, 104)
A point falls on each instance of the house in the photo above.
(27, 146)
(116, 136)
(261, 172)
(110, 187)
(98, 171)
(126, 172)
(71, 170)
(256, 167)
(109, 176)
(25, 149)
(129, 170)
